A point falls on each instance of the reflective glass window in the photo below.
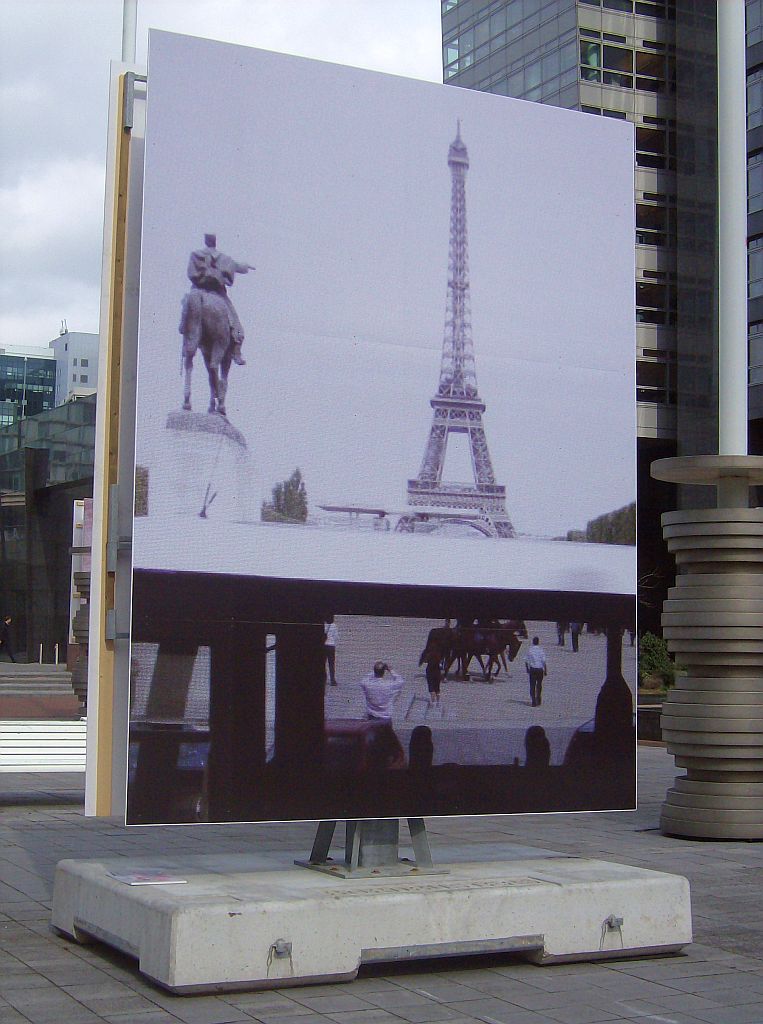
(550, 65)
(755, 183)
(755, 100)
(590, 54)
(567, 56)
(651, 224)
(532, 75)
(755, 267)
(616, 58)
(482, 32)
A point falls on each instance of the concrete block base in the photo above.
(239, 923)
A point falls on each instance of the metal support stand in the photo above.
(371, 850)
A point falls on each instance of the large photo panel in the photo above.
(385, 344)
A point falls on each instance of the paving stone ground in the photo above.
(45, 978)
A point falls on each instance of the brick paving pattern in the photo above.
(45, 978)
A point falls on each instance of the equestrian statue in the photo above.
(209, 321)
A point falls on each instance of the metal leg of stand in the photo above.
(322, 842)
(372, 843)
(371, 849)
(420, 842)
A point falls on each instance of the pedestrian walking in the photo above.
(576, 628)
(434, 678)
(561, 632)
(537, 669)
(330, 640)
(6, 644)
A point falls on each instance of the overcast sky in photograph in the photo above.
(54, 80)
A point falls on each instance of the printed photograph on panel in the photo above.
(407, 714)
(380, 320)
(385, 354)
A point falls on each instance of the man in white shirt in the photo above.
(535, 663)
(381, 688)
(330, 639)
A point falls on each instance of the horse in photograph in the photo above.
(205, 326)
(493, 645)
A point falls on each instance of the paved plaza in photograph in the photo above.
(477, 722)
(46, 978)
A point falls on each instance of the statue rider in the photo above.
(211, 271)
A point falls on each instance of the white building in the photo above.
(76, 357)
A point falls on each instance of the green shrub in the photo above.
(654, 659)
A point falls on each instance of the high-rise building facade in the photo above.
(27, 382)
(76, 355)
(652, 62)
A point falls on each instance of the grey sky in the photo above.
(54, 73)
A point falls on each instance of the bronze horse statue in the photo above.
(205, 326)
(209, 321)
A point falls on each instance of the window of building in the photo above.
(755, 98)
(656, 377)
(755, 183)
(755, 267)
(617, 65)
(647, 8)
(650, 71)
(651, 224)
(754, 16)
(84, 362)
(74, 361)
(756, 353)
(74, 378)
(651, 303)
(652, 147)
(83, 378)
(590, 61)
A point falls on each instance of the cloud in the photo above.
(52, 230)
(397, 36)
(62, 203)
(38, 321)
(54, 75)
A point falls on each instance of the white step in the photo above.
(42, 746)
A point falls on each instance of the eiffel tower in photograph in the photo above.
(457, 405)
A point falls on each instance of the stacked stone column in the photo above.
(712, 720)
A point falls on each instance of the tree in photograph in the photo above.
(617, 527)
(613, 527)
(289, 504)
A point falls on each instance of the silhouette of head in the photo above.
(537, 748)
(384, 749)
(421, 748)
(210, 241)
(536, 641)
(380, 667)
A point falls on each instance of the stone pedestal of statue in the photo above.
(203, 468)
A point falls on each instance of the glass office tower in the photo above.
(27, 383)
(652, 62)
